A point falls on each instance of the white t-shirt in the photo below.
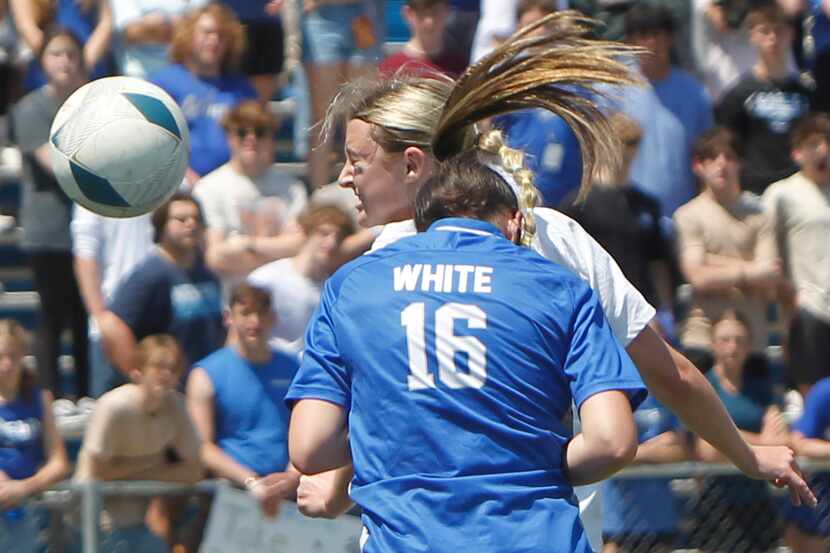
(116, 245)
(294, 297)
(563, 241)
(235, 203)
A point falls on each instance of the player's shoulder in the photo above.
(218, 358)
(821, 391)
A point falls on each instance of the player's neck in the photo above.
(257, 353)
(203, 70)
(180, 257)
(730, 380)
(726, 195)
(417, 47)
(252, 170)
(62, 92)
(770, 68)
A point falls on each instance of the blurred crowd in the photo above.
(719, 213)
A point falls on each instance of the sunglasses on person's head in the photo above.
(259, 132)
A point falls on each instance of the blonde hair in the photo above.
(231, 29)
(512, 161)
(557, 71)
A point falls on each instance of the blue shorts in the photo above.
(329, 38)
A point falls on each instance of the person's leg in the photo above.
(265, 56)
(78, 320)
(802, 542)
(103, 377)
(52, 316)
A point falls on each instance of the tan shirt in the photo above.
(799, 211)
(739, 232)
(120, 428)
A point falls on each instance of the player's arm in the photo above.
(607, 442)
(25, 22)
(200, 404)
(153, 28)
(318, 436)
(668, 447)
(325, 495)
(810, 447)
(681, 387)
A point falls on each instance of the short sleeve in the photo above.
(816, 416)
(186, 442)
(322, 373)
(595, 361)
(561, 240)
(211, 204)
(102, 431)
(86, 233)
(138, 301)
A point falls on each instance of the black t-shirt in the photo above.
(626, 222)
(762, 113)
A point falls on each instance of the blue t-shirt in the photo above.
(642, 505)
(747, 409)
(21, 436)
(457, 355)
(251, 419)
(160, 297)
(815, 423)
(551, 151)
(672, 113)
(82, 23)
(204, 101)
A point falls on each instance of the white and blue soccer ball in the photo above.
(120, 146)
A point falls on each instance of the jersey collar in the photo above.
(463, 224)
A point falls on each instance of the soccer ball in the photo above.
(119, 146)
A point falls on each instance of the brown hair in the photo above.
(161, 215)
(12, 331)
(418, 5)
(809, 126)
(154, 343)
(463, 186)
(181, 45)
(716, 141)
(250, 113)
(764, 12)
(319, 215)
(248, 294)
(732, 315)
(544, 6)
(54, 31)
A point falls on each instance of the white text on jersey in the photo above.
(442, 278)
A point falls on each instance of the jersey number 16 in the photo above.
(447, 344)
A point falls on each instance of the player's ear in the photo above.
(417, 162)
(514, 227)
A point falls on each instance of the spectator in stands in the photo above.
(818, 16)
(799, 210)
(425, 53)
(497, 21)
(89, 20)
(45, 210)
(32, 454)
(206, 50)
(551, 148)
(340, 44)
(250, 206)
(672, 113)
(294, 283)
(170, 292)
(106, 250)
(642, 514)
(143, 32)
(235, 397)
(733, 513)
(762, 107)
(265, 37)
(726, 250)
(141, 431)
(626, 223)
(808, 530)
(461, 27)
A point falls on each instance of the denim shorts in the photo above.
(328, 37)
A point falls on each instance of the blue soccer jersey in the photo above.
(457, 355)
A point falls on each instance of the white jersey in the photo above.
(563, 241)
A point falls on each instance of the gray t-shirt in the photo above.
(45, 210)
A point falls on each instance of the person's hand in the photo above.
(312, 494)
(765, 273)
(310, 5)
(12, 492)
(271, 490)
(716, 16)
(774, 429)
(273, 7)
(778, 465)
